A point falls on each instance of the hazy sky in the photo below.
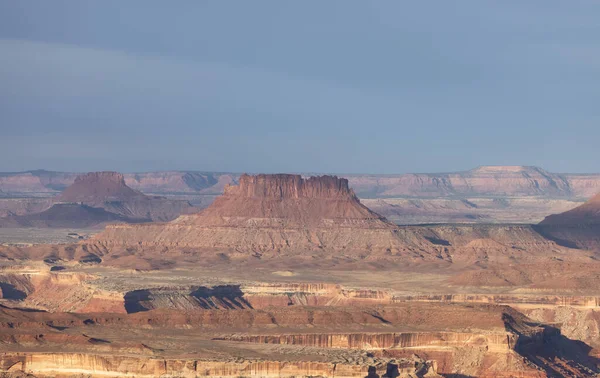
(295, 86)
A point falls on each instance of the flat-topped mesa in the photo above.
(280, 186)
(97, 187)
(272, 213)
(282, 200)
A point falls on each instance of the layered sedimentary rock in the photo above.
(486, 194)
(63, 364)
(58, 291)
(254, 296)
(373, 341)
(271, 212)
(486, 180)
(483, 341)
(43, 182)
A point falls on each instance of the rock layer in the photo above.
(271, 212)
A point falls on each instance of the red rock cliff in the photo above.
(282, 186)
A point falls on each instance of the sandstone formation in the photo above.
(482, 195)
(271, 213)
(483, 341)
(107, 322)
(47, 182)
(287, 276)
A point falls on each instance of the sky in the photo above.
(299, 86)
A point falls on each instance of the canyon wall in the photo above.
(69, 364)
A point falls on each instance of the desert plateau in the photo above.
(293, 189)
(287, 275)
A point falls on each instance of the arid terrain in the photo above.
(285, 276)
(503, 194)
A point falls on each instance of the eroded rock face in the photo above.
(272, 212)
(486, 180)
(66, 364)
(281, 186)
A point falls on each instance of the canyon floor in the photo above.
(65, 318)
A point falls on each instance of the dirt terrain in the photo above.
(287, 276)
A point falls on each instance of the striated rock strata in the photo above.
(271, 212)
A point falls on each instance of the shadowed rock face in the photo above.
(577, 228)
(108, 190)
(97, 187)
(289, 199)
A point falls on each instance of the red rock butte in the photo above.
(272, 212)
(288, 200)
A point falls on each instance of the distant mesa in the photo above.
(288, 200)
(98, 198)
(481, 181)
(95, 188)
(107, 190)
(506, 169)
